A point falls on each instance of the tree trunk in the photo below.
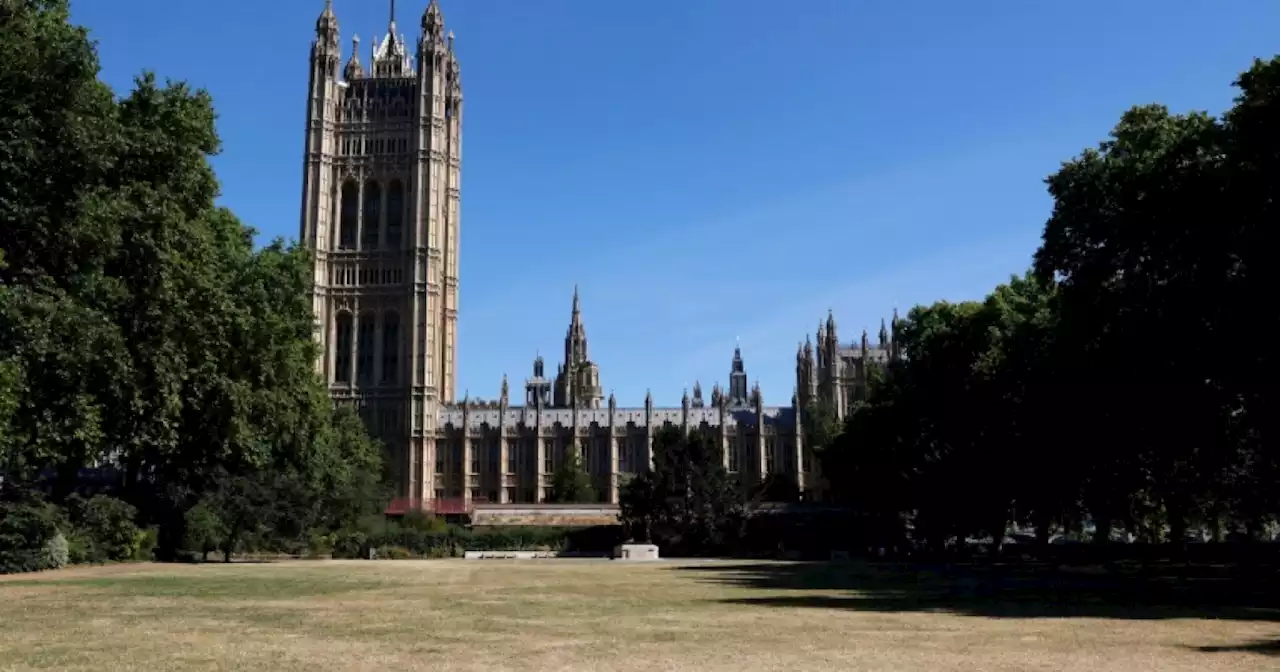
(1042, 523)
(1102, 530)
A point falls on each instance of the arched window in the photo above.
(390, 347)
(364, 349)
(372, 215)
(395, 214)
(342, 347)
(350, 210)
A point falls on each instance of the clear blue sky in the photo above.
(712, 170)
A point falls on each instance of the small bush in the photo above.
(350, 544)
(79, 550)
(29, 537)
(393, 553)
(55, 554)
(107, 524)
(421, 522)
(145, 542)
(204, 530)
(319, 545)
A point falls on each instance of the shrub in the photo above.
(319, 544)
(204, 530)
(429, 538)
(55, 554)
(393, 553)
(145, 542)
(107, 524)
(417, 520)
(29, 537)
(350, 544)
(79, 550)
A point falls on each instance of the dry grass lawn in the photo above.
(557, 615)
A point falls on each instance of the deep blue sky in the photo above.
(714, 170)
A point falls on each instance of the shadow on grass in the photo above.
(1266, 647)
(1010, 590)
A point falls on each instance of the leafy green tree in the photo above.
(687, 503)
(138, 324)
(571, 483)
(204, 530)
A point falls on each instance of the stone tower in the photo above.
(380, 197)
(578, 380)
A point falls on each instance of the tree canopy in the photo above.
(1126, 381)
(139, 327)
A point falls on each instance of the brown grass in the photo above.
(550, 615)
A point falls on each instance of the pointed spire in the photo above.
(354, 70)
(577, 304)
(613, 403)
(884, 334)
(432, 21)
(866, 342)
(327, 26)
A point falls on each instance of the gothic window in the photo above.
(350, 210)
(372, 215)
(769, 456)
(390, 347)
(364, 349)
(342, 345)
(734, 452)
(395, 214)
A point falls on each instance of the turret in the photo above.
(354, 69)
(433, 22)
(322, 108)
(738, 380)
(893, 336)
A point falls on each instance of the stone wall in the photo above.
(544, 515)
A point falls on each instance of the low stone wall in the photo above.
(508, 555)
(544, 515)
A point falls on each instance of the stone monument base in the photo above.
(635, 552)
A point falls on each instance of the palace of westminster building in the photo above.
(380, 210)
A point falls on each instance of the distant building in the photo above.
(380, 210)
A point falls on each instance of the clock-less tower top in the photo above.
(380, 210)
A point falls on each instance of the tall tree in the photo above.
(688, 502)
(571, 483)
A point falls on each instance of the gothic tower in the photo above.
(738, 381)
(577, 382)
(380, 195)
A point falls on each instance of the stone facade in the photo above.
(380, 210)
(836, 374)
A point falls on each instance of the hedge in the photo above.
(452, 541)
